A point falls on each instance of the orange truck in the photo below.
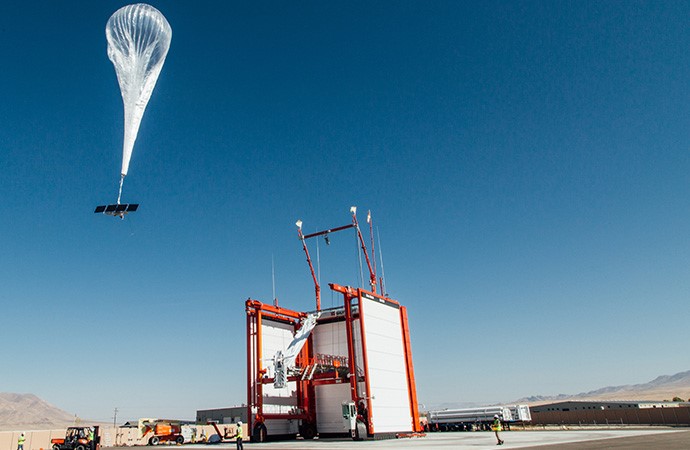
(155, 431)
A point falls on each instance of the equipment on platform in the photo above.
(285, 362)
(117, 210)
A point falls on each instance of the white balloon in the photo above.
(138, 41)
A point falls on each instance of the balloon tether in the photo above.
(119, 194)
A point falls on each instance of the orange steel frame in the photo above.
(306, 400)
(411, 383)
(349, 295)
(256, 313)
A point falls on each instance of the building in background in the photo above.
(612, 412)
(222, 415)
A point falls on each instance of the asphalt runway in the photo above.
(648, 438)
(661, 441)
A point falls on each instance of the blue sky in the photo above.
(526, 165)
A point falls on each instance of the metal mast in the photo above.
(303, 238)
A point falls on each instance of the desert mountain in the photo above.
(26, 411)
(664, 387)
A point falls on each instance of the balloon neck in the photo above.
(119, 193)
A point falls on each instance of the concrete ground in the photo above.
(656, 438)
(665, 441)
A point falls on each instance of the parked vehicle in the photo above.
(469, 419)
(160, 430)
(354, 421)
(77, 438)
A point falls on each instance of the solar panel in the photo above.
(117, 210)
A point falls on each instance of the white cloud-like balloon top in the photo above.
(138, 41)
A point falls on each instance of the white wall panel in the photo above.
(276, 336)
(330, 339)
(274, 426)
(329, 400)
(390, 401)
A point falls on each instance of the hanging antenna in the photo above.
(318, 261)
(273, 278)
(383, 272)
(370, 221)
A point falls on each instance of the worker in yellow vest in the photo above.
(238, 435)
(496, 426)
(20, 441)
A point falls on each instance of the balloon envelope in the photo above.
(138, 40)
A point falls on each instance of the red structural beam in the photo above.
(332, 230)
(365, 360)
(276, 310)
(372, 269)
(256, 312)
(317, 286)
(411, 384)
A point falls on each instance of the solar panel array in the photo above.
(116, 209)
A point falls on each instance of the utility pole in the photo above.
(115, 418)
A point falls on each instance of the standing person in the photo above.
(239, 435)
(92, 438)
(497, 427)
(20, 441)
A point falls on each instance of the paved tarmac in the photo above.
(661, 441)
(649, 438)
